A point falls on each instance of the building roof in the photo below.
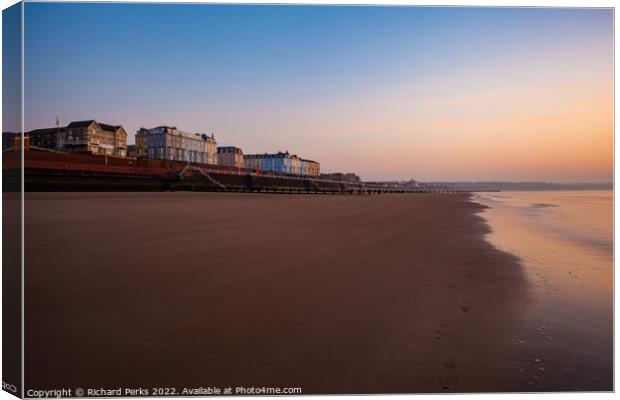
(279, 154)
(173, 130)
(76, 124)
(111, 128)
(44, 131)
(81, 124)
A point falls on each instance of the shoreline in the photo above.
(342, 294)
(560, 239)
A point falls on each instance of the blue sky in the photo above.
(352, 87)
(11, 68)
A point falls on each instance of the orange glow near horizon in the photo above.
(558, 133)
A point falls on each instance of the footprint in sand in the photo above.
(448, 378)
(464, 305)
(441, 332)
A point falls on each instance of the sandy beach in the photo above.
(333, 294)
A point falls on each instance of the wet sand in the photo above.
(564, 240)
(333, 294)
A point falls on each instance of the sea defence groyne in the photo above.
(48, 170)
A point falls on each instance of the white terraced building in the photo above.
(282, 162)
(170, 143)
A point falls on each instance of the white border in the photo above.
(477, 3)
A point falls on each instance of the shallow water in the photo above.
(565, 242)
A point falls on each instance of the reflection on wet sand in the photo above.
(565, 242)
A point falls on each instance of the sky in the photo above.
(513, 94)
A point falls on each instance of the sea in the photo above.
(564, 241)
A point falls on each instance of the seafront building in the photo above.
(309, 167)
(49, 138)
(230, 156)
(93, 137)
(282, 162)
(84, 137)
(160, 143)
(265, 162)
(170, 143)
